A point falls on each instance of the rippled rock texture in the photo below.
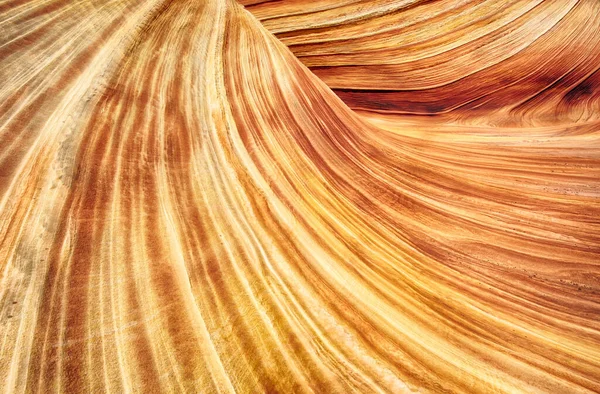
(326, 196)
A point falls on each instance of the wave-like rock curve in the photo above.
(513, 62)
(185, 207)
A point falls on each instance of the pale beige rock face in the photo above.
(187, 206)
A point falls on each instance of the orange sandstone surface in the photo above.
(326, 196)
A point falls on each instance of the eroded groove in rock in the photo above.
(187, 208)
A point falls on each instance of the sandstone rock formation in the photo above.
(187, 206)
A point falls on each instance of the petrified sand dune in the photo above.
(186, 207)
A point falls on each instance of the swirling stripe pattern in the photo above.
(185, 206)
(501, 62)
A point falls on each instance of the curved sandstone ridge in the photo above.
(185, 207)
(510, 62)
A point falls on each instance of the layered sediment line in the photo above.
(516, 62)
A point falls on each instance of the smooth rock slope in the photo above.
(186, 207)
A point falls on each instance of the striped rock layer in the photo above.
(509, 62)
(186, 207)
